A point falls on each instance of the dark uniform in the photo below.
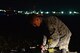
(34, 35)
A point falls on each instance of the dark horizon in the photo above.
(40, 4)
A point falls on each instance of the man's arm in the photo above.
(44, 40)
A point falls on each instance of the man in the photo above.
(60, 34)
(36, 29)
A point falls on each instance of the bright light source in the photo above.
(41, 12)
(27, 12)
(4, 10)
(62, 12)
(47, 12)
(76, 12)
(70, 12)
(1, 10)
(37, 13)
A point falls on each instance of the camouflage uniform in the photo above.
(60, 37)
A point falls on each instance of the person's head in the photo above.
(35, 20)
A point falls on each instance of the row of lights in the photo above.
(53, 12)
(42, 12)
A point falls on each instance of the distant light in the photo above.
(47, 12)
(32, 47)
(4, 10)
(76, 12)
(20, 11)
(53, 12)
(34, 11)
(14, 10)
(27, 12)
(70, 12)
(41, 12)
(37, 13)
(62, 12)
(1, 10)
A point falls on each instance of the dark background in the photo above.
(12, 26)
(41, 4)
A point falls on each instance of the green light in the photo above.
(62, 12)
(70, 12)
(37, 13)
(41, 12)
(47, 12)
(20, 11)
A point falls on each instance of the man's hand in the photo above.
(43, 48)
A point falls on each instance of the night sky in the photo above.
(73, 22)
(40, 4)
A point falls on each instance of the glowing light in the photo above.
(4, 10)
(34, 11)
(20, 11)
(41, 12)
(27, 12)
(70, 12)
(1, 10)
(62, 12)
(37, 13)
(76, 12)
(53, 12)
(47, 12)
